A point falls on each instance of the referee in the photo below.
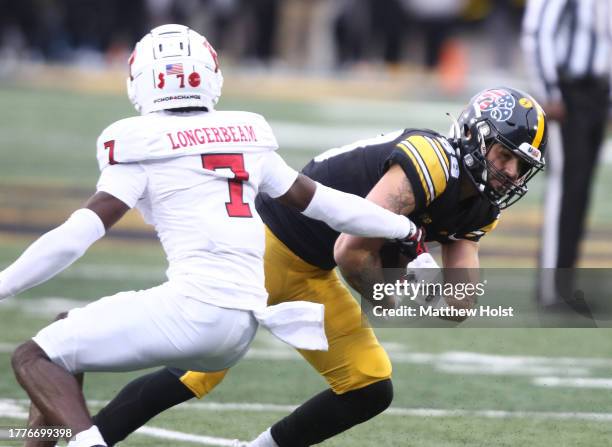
(567, 44)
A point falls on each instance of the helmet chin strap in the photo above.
(485, 175)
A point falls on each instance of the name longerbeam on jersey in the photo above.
(207, 135)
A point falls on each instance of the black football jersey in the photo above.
(430, 163)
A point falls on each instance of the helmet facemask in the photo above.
(477, 142)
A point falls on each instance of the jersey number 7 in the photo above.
(236, 207)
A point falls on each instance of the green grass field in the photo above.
(453, 387)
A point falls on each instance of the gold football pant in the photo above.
(355, 358)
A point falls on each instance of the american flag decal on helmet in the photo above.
(174, 69)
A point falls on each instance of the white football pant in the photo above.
(155, 327)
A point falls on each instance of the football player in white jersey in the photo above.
(193, 173)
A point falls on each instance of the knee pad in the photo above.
(365, 367)
(200, 383)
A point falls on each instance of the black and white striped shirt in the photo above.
(566, 38)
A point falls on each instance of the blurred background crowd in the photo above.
(313, 35)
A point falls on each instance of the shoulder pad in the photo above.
(161, 135)
(127, 131)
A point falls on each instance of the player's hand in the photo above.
(425, 270)
(412, 247)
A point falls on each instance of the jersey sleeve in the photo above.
(115, 138)
(277, 176)
(426, 164)
(126, 182)
(477, 234)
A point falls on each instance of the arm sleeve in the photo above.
(348, 213)
(277, 176)
(52, 253)
(127, 182)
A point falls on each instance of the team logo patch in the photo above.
(499, 104)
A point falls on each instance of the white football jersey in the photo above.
(194, 177)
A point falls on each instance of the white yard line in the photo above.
(13, 409)
(316, 138)
(499, 414)
(7, 348)
(416, 412)
(115, 272)
(162, 433)
(517, 360)
(237, 406)
(17, 409)
(472, 362)
(48, 306)
(509, 370)
(574, 382)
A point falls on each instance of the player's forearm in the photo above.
(361, 269)
(348, 213)
(468, 279)
(52, 253)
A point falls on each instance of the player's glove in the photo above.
(413, 246)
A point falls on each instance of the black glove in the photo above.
(413, 246)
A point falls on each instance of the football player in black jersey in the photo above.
(453, 187)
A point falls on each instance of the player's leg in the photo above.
(141, 329)
(147, 396)
(37, 419)
(139, 401)
(53, 389)
(326, 415)
(129, 410)
(356, 366)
